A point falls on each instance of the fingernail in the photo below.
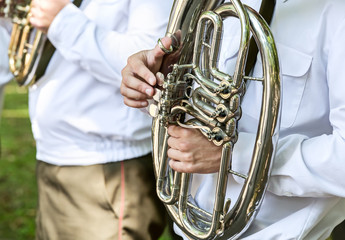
(144, 104)
(152, 81)
(148, 92)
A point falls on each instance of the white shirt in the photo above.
(305, 197)
(5, 74)
(76, 109)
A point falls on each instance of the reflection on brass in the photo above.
(196, 94)
(25, 43)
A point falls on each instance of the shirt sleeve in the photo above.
(101, 49)
(309, 166)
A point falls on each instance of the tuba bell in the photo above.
(25, 43)
(196, 94)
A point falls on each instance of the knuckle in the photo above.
(183, 146)
(131, 60)
(170, 153)
(171, 129)
(185, 132)
(141, 88)
(173, 164)
(123, 73)
(189, 157)
(170, 142)
(126, 101)
(122, 90)
(188, 168)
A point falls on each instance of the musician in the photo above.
(5, 74)
(306, 191)
(94, 168)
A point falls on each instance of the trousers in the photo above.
(99, 202)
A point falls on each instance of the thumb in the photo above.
(166, 42)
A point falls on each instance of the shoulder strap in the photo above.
(266, 11)
(47, 53)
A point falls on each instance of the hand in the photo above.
(43, 12)
(191, 152)
(138, 76)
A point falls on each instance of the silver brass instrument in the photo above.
(196, 94)
(25, 41)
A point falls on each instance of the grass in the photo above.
(17, 168)
(18, 192)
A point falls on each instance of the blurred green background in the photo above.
(17, 168)
(17, 171)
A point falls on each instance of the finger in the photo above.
(133, 94)
(146, 69)
(33, 21)
(175, 154)
(33, 10)
(176, 39)
(173, 143)
(177, 131)
(38, 24)
(137, 65)
(172, 131)
(186, 167)
(34, 3)
(181, 166)
(180, 156)
(157, 51)
(34, 13)
(136, 83)
(135, 103)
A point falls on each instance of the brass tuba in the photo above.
(196, 94)
(25, 43)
